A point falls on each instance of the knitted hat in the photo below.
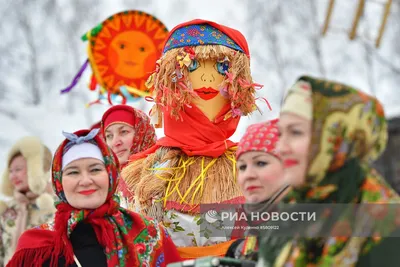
(259, 137)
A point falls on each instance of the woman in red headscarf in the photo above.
(202, 86)
(260, 177)
(127, 131)
(90, 228)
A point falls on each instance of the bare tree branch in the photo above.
(272, 36)
(29, 37)
(369, 54)
(7, 112)
(316, 38)
(387, 63)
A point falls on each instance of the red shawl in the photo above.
(195, 134)
(129, 239)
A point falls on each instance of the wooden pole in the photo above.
(328, 17)
(359, 12)
(384, 21)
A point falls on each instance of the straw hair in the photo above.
(240, 89)
(182, 172)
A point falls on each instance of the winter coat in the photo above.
(24, 211)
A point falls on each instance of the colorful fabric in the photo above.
(129, 239)
(298, 100)
(202, 136)
(211, 33)
(9, 221)
(97, 125)
(145, 135)
(349, 131)
(217, 250)
(260, 137)
(122, 50)
(250, 247)
(175, 92)
(200, 34)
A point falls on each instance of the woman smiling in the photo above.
(90, 228)
(330, 134)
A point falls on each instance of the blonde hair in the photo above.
(175, 95)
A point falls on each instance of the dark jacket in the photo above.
(87, 249)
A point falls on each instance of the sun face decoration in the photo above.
(123, 50)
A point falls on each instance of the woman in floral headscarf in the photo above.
(127, 131)
(90, 228)
(329, 135)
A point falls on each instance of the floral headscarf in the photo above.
(349, 131)
(129, 239)
(261, 136)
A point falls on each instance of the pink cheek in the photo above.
(273, 175)
(241, 180)
(129, 141)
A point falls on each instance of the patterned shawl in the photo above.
(129, 239)
(349, 131)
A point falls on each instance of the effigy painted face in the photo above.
(202, 65)
(206, 77)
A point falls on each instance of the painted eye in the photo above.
(122, 46)
(141, 49)
(194, 65)
(222, 67)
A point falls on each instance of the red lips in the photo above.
(290, 162)
(18, 182)
(252, 188)
(206, 93)
(87, 192)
